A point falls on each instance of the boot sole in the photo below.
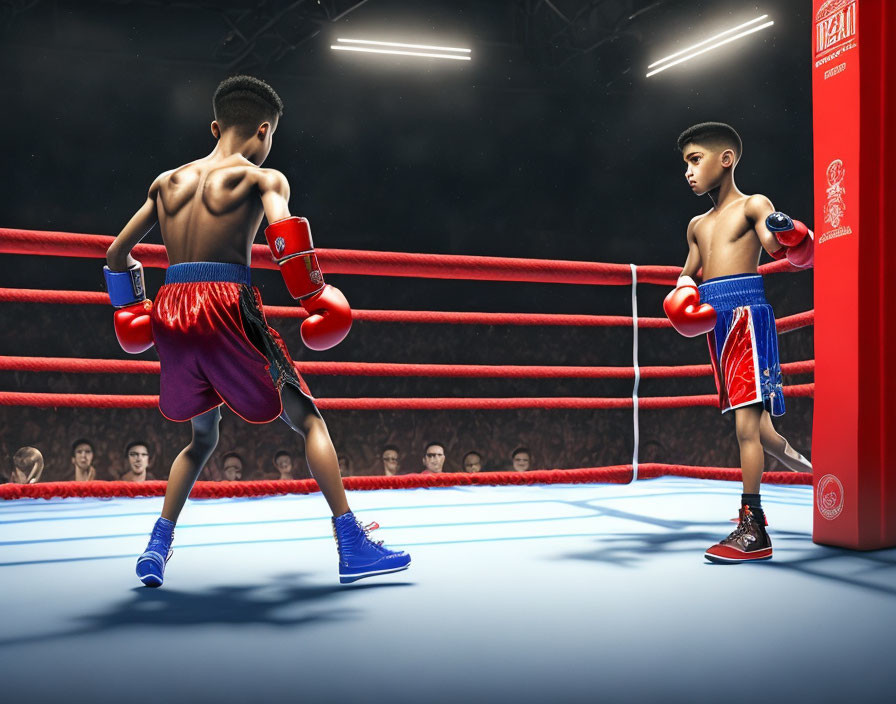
(349, 578)
(735, 560)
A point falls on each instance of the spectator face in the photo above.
(521, 462)
(82, 457)
(283, 464)
(232, 469)
(138, 459)
(473, 463)
(434, 458)
(390, 462)
(345, 465)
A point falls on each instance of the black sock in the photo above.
(754, 501)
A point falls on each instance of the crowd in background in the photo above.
(136, 445)
(554, 439)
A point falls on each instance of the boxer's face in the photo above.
(83, 456)
(706, 166)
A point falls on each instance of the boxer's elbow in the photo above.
(116, 259)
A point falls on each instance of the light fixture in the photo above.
(371, 46)
(695, 50)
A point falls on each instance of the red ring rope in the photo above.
(502, 371)
(348, 261)
(617, 474)
(54, 400)
(785, 324)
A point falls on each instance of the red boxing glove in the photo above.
(329, 320)
(683, 308)
(133, 327)
(802, 255)
(290, 242)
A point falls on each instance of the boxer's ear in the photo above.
(216, 129)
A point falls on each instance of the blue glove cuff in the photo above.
(778, 222)
(125, 287)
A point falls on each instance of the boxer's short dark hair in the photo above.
(244, 102)
(712, 134)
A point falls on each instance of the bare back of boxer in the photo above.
(210, 209)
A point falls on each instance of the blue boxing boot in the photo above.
(151, 564)
(359, 556)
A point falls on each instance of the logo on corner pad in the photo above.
(829, 497)
(835, 23)
(279, 245)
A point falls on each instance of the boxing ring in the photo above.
(532, 593)
(549, 584)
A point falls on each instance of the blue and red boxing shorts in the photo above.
(743, 347)
(215, 345)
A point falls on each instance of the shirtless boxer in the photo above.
(213, 341)
(730, 305)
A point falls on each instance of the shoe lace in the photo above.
(745, 517)
(368, 529)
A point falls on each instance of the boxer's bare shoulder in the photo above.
(219, 184)
(757, 207)
(211, 208)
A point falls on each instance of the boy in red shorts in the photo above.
(207, 324)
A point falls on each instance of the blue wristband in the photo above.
(125, 287)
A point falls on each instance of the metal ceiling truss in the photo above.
(557, 32)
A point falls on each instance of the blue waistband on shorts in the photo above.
(208, 271)
(733, 291)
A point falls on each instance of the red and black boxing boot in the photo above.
(749, 542)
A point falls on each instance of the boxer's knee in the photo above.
(747, 424)
(313, 423)
(205, 431)
(299, 411)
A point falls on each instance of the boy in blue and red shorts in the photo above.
(214, 344)
(730, 306)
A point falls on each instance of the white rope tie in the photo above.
(637, 372)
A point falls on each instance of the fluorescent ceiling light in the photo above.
(444, 52)
(456, 57)
(707, 41)
(405, 46)
(670, 64)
